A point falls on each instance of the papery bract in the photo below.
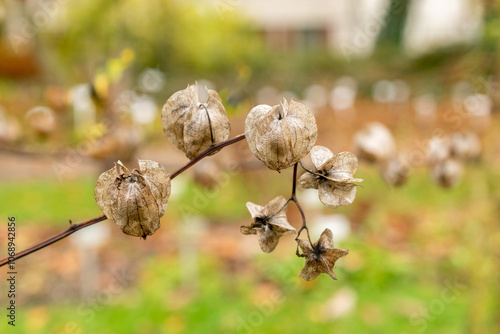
(281, 135)
(192, 124)
(135, 200)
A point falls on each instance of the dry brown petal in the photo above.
(135, 200)
(320, 155)
(270, 223)
(335, 194)
(281, 135)
(193, 125)
(275, 207)
(309, 181)
(333, 176)
(255, 210)
(320, 257)
(341, 167)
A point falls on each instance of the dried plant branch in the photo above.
(76, 227)
(72, 229)
(293, 198)
(207, 152)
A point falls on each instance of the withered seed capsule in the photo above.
(135, 200)
(193, 124)
(447, 173)
(374, 143)
(281, 135)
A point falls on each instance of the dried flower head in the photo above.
(135, 200)
(269, 223)
(438, 149)
(332, 176)
(395, 171)
(465, 146)
(374, 142)
(195, 119)
(42, 120)
(447, 173)
(320, 257)
(281, 135)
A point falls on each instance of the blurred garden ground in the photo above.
(422, 259)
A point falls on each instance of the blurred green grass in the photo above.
(223, 303)
(48, 202)
(407, 245)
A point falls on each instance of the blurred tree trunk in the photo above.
(392, 33)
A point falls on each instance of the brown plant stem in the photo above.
(72, 229)
(207, 152)
(76, 227)
(293, 198)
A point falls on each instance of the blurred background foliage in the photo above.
(89, 63)
(184, 39)
(190, 40)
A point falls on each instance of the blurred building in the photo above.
(297, 24)
(432, 24)
(351, 27)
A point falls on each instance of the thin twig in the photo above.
(76, 227)
(296, 201)
(72, 229)
(307, 170)
(207, 152)
(294, 181)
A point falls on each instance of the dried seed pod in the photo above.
(281, 135)
(135, 200)
(332, 176)
(193, 124)
(269, 223)
(438, 149)
(447, 173)
(374, 143)
(465, 146)
(395, 171)
(42, 120)
(320, 257)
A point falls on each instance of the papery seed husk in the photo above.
(135, 200)
(395, 171)
(320, 155)
(281, 135)
(334, 194)
(193, 126)
(465, 146)
(374, 142)
(438, 149)
(321, 258)
(447, 173)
